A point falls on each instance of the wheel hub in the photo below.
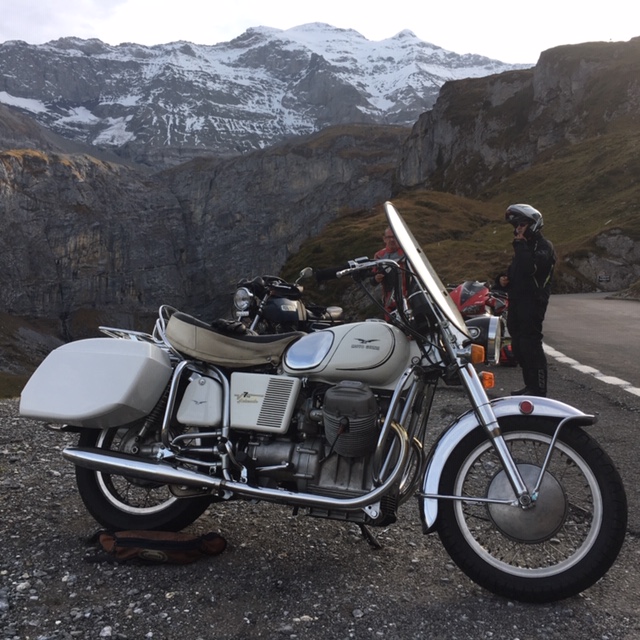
(537, 523)
(132, 445)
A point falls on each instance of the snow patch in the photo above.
(79, 115)
(116, 132)
(29, 104)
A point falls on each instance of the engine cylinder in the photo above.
(350, 419)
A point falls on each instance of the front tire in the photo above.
(556, 549)
(120, 503)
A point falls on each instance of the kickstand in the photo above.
(370, 537)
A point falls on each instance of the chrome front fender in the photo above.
(466, 423)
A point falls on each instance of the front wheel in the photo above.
(120, 503)
(555, 549)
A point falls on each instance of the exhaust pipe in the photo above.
(122, 464)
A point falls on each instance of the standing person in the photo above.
(530, 276)
(390, 251)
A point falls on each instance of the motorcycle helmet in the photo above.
(518, 213)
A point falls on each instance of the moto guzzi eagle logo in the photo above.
(362, 343)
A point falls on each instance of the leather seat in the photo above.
(197, 339)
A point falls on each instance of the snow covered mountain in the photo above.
(169, 103)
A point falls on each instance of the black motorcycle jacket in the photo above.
(531, 269)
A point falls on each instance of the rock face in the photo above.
(80, 233)
(474, 132)
(86, 240)
(486, 128)
(616, 265)
(166, 104)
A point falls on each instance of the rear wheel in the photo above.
(119, 502)
(559, 547)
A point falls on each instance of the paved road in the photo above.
(597, 331)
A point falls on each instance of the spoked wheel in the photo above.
(555, 549)
(119, 502)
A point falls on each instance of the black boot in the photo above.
(541, 382)
(526, 376)
(535, 383)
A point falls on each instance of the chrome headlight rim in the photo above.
(243, 299)
(487, 331)
(494, 340)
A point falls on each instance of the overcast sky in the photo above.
(505, 30)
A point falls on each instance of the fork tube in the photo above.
(258, 315)
(484, 412)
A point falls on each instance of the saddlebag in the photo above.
(97, 383)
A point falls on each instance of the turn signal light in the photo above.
(488, 380)
(477, 354)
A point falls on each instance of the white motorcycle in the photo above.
(334, 422)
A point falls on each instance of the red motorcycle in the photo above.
(479, 304)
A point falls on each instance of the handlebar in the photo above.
(262, 285)
(331, 273)
(322, 275)
(364, 264)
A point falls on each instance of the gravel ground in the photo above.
(286, 576)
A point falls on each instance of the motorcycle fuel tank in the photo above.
(372, 352)
(284, 310)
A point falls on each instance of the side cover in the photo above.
(262, 403)
(97, 383)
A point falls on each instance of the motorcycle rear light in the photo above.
(488, 380)
(526, 407)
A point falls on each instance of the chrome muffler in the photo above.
(123, 464)
(116, 463)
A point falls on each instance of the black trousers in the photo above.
(524, 322)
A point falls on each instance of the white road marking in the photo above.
(596, 373)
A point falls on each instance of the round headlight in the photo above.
(242, 299)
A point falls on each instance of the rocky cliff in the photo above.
(85, 240)
(481, 130)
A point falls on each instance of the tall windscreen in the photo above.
(423, 269)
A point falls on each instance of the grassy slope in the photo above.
(581, 190)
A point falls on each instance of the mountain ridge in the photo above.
(165, 104)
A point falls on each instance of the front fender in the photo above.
(467, 422)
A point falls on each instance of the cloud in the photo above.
(38, 21)
(500, 29)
